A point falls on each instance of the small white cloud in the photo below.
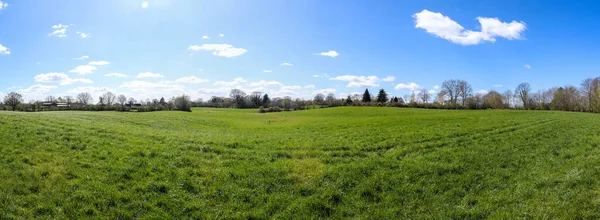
(431, 91)
(60, 30)
(482, 92)
(267, 71)
(324, 91)
(83, 69)
(82, 58)
(309, 87)
(4, 50)
(222, 50)
(498, 86)
(83, 35)
(527, 66)
(436, 87)
(443, 27)
(221, 35)
(316, 76)
(191, 79)
(98, 63)
(286, 64)
(388, 79)
(149, 75)
(410, 86)
(205, 37)
(119, 75)
(3, 5)
(358, 81)
(37, 89)
(331, 53)
(61, 78)
(235, 81)
(264, 83)
(145, 4)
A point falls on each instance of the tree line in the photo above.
(453, 94)
(85, 102)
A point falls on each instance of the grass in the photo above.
(367, 163)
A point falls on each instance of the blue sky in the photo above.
(64, 47)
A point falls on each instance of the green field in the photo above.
(347, 162)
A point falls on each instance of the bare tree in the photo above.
(50, 98)
(507, 98)
(13, 100)
(450, 89)
(330, 99)
(238, 96)
(464, 90)
(588, 91)
(424, 95)
(319, 99)
(109, 98)
(256, 99)
(84, 98)
(522, 92)
(122, 99)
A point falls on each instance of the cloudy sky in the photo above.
(155, 48)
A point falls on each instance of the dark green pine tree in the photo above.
(366, 96)
(382, 96)
(349, 100)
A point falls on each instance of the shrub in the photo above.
(261, 110)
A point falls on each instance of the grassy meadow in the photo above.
(347, 162)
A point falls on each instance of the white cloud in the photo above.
(498, 86)
(152, 88)
(149, 75)
(436, 87)
(222, 50)
(316, 76)
(286, 64)
(410, 86)
(527, 66)
(61, 78)
(431, 91)
(119, 75)
(358, 81)
(264, 83)
(235, 81)
(37, 89)
(83, 69)
(442, 26)
(482, 92)
(3, 5)
(98, 63)
(3, 49)
(267, 71)
(388, 79)
(205, 37)
(83, 35)
(191, 79)
(309, 86)
(145, 4)
(324, 75)
(82, 58)
(60, 30)
(324, 91)
(221, 35)
(331, 53)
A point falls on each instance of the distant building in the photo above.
(55, 105)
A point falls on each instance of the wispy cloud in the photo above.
(222, 50)
(527, 66)
(60, 30)
(61, 78)
(331, 53)
(149, 75)
(81, 58)
(119, 75)
(286, 64)
(145, 4)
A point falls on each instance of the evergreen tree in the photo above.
(366, 96)
(395, 99)
(382, 96)
(266, 100)
(349, 100)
